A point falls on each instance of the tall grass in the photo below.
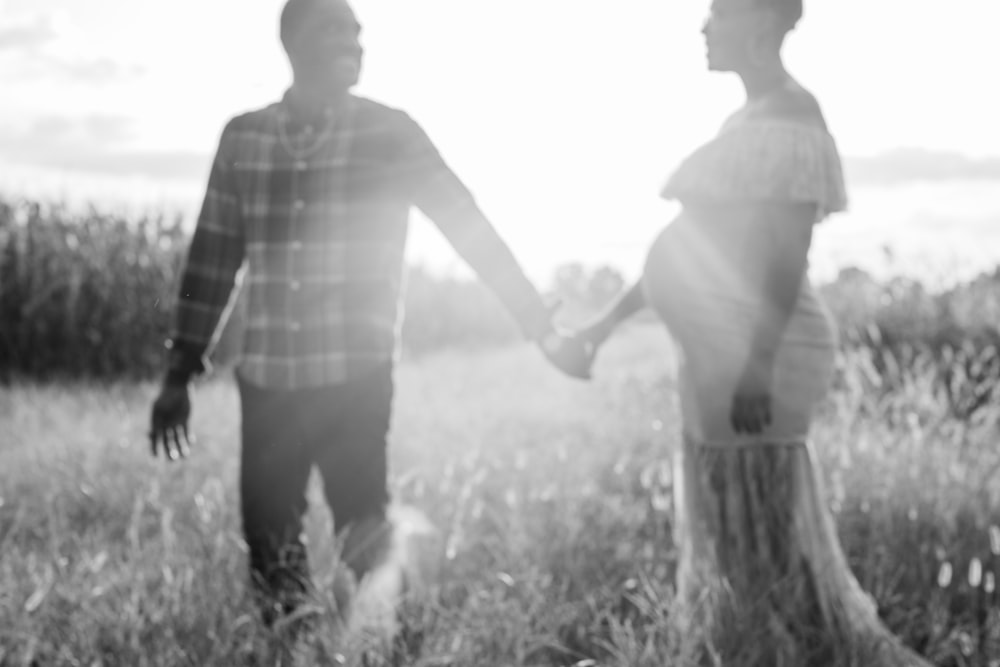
(550, 499)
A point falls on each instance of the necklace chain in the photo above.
(308, 151)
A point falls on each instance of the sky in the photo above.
(564, 117)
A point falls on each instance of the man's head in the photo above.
(748, 33)
(321, 40)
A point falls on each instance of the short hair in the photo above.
(789, 11)
(294, 15)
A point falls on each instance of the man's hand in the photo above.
(572, 355)
(169, 428)
(751, 411)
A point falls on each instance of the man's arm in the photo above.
(214, 257)
(440, 195)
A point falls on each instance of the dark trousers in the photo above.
(341, 430)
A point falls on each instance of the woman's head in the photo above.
(748, 34)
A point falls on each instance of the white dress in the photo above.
(760, 556)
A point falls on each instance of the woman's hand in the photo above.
(751, 410)
(594, 334)
(567, 352)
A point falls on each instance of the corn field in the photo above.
(89, 295)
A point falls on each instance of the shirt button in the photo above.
(295, 285)
(296, 245)
(295, 326)
(299, 205)
(308, 129)
(301, 165)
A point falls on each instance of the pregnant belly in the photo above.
(699, 282)
(699, 276)
(693, 272)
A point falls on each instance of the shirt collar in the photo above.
(290, 112)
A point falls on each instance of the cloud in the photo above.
(97, 70)
(183, 166)
(40, 48)
(27, 36)
(57, 132)
(31, 66)
(96, 144)
(908, 165)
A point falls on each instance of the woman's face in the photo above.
(735, 32)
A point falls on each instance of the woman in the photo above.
(759, 552)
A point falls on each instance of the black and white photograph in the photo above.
(536, 333)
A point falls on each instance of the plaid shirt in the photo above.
(320, 219)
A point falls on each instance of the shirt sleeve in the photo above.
(214, 257)
(435, 189)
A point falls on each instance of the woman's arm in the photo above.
(625, 305)
(780, 245)
(779, 253)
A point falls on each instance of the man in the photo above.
(313, 194)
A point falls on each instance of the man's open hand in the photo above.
(169, 428)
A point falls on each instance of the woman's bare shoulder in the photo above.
(792, 102)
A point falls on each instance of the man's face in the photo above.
(325, 50)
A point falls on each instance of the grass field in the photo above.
(550, 505)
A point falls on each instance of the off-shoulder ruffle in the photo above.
(764, 160)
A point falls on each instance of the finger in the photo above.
(750, 419)
(175, 444)
(158, 446)
(746, 417)
(760, 414)
(154, 432)
(185, 441)
(168, 450)
(736, 417)
(178, 445)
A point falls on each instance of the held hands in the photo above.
(751, 411)
(169, 427)
(569, 353)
